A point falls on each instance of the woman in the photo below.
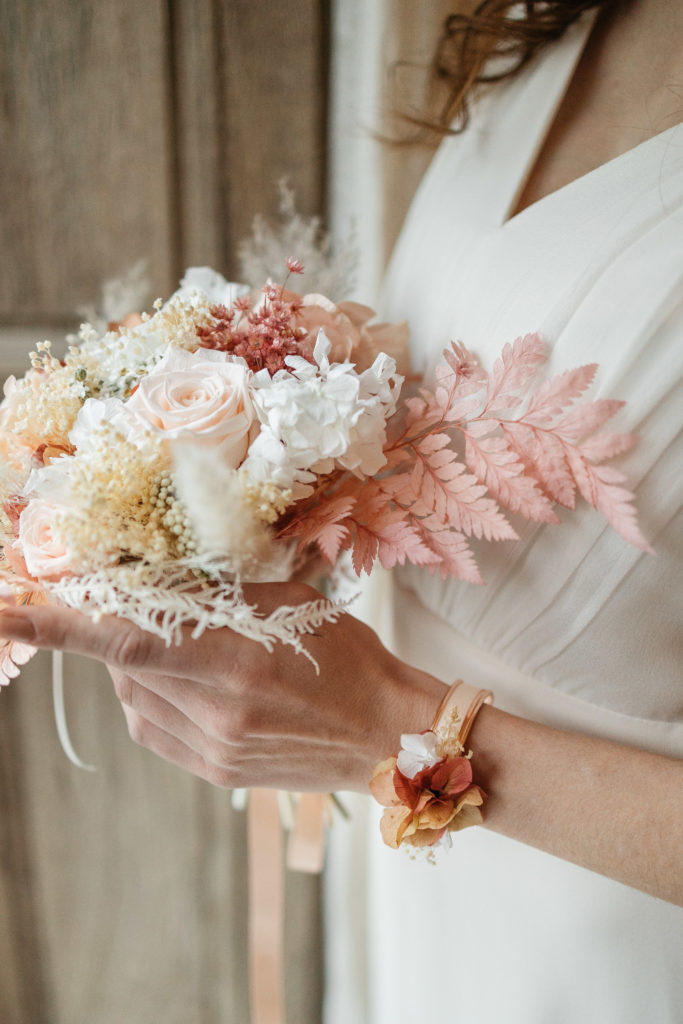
(558, 210)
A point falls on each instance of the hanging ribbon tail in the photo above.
(60, 712)
(266, 908)
(306, 847)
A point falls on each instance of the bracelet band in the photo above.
(460, 695)
(427, 788)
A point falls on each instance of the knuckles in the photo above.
(128, 648)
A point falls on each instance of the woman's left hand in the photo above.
(229, 711)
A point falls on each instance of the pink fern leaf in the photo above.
(13, 654)
(585, 419)
(399, 542)
(496, 465)
(470, 376)
(556, 394)
(330, 540)
(606, 446)
(517, 365)
(456, 559)
(365, 545)
(459, 500)
(543, 457)
(601, 487)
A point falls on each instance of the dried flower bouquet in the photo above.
(231, 435)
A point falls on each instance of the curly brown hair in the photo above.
(488, 40)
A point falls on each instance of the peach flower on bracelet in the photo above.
(439, 797)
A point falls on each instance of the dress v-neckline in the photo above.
(554, 100)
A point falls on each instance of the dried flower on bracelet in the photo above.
(427, 791)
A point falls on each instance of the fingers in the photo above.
(175, 751)
(118, 642)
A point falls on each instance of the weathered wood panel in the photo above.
(85, 175)
(272, 96)
(131, 130)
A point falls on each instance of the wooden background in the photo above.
(132, 130)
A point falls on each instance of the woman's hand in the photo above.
(229, 711)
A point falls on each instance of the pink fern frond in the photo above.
(459, 499)
(554, 395)
(517, 365)
(585, 419)
(606, 446)
(400, 542)
(601, 487)
(543, 457)
(455, 555)
(499, 467)
(13, 654)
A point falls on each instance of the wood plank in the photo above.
(273, 96)
(23, 981)
(85, 177)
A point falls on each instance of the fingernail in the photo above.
(15, 625)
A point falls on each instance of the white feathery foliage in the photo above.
(264, 255)
(168, 598)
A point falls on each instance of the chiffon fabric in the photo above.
(574, 627)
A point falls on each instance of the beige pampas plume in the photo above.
(227, 515)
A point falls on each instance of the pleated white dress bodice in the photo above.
(574, 627)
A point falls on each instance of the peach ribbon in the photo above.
(266, 890)
(266, 906)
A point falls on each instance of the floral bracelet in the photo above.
(427, 789)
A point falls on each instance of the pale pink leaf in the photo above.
(514, 369)
(556, 394)
(606, 446)
(543, 457)
(365, 546)
(399, 542)
(455, 554)
(601, 486)
(582, 420)
(459, 500)
(13, 654)
(496, 465)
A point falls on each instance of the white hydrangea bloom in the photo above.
(418, 751)
(320, 417)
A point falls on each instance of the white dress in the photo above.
(574, 627)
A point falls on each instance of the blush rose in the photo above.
(45, 555)
(200, 395)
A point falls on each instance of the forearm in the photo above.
(610, 808)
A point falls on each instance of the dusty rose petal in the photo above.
(437, 814)
(356, 312)
(382, 783)
(426, 837)
(453, 776)
(465, 818)
(393, 825)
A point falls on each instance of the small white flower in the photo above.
(418, 751)
(202, 285)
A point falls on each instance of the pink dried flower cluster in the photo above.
(262, 336)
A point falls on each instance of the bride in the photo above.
(558, 209)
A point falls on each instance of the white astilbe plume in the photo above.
(119, 296)
(164, 598)
(264, 255)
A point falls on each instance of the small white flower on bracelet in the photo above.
(419, 750)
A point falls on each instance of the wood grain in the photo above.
(85, 178)
(133, 130)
